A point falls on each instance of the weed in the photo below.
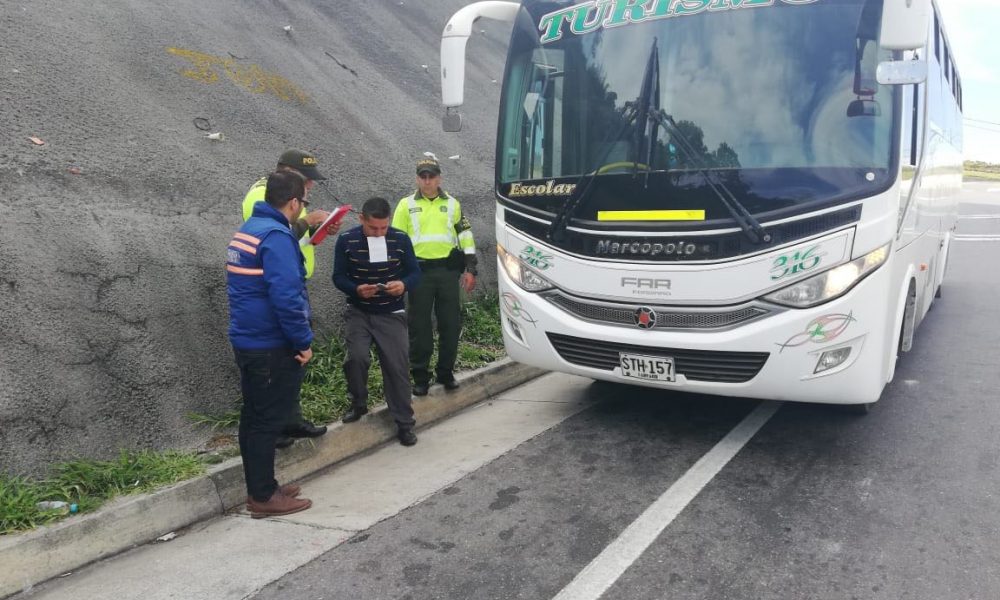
(89, 483)
(225, 420)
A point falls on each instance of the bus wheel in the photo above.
(858, 409)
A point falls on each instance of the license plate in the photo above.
(655, 368)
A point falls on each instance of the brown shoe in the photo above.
(292, 490)
(278, 505)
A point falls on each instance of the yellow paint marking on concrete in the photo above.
(650, 215)
(248, 76)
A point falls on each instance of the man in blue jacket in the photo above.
(270, 333)
(374, 265)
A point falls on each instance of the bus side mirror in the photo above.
(456, 33)
(901, 72)
(451, 121)
(904, 24)
(863, 108)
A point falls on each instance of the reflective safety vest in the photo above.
(435, 226)
(255, 195)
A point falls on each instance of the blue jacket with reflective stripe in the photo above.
(265, 279)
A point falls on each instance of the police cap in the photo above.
(303, 162)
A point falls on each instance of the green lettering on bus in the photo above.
(580, 22)
(627, 11)
(551, 23)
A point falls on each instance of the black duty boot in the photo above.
(283, 441)
(420, 389)
(406, 436)
(305, 429)
(448, 381)
(354, 414)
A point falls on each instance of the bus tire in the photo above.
(859, 410)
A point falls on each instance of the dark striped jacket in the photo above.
(352, 267)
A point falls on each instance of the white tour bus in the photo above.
(748, 198)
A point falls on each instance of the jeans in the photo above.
(270, 381)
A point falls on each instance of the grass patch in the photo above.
(977, 169)
(90, 483)
(224, 420)
(324, 389)
(971, 174)
(482, 337)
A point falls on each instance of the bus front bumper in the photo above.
(834, 353)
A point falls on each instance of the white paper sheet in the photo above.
(377, 251)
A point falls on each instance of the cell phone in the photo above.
(381, 287)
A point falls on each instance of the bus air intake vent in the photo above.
(696, 365)
(666, 318)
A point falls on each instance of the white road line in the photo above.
(964, 217)
(609, 565)
(993, 190)
(977, 238)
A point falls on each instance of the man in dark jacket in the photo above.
(374, 265)
(271, 338)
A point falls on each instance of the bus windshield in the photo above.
(777, 100)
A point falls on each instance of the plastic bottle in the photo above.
(58, 506)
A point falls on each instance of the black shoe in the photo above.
(305, 429)
(354, 414)
(420, 389)
(283, 441)
(449, 383)
(406, 437)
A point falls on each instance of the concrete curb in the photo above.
(35, 556)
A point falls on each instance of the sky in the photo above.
(972, 27)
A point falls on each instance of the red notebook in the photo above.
(335, 217)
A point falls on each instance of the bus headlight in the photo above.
(830, 284)
(520, 273)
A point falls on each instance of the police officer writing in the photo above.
(442, 240)
(271, 337)
(374, 265)
(306, 165)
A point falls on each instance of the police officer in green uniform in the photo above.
(306, 165)
(443, 243)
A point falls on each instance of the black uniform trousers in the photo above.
(437, 295)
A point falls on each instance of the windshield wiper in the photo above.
(645, 111)
(634, 112)
(659, 117)
(557, 231)
(750, 225)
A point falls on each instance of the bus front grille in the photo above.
(666, 318)
(696, 365)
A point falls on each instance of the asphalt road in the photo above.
(819, 503)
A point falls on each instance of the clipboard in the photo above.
(321, 232)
